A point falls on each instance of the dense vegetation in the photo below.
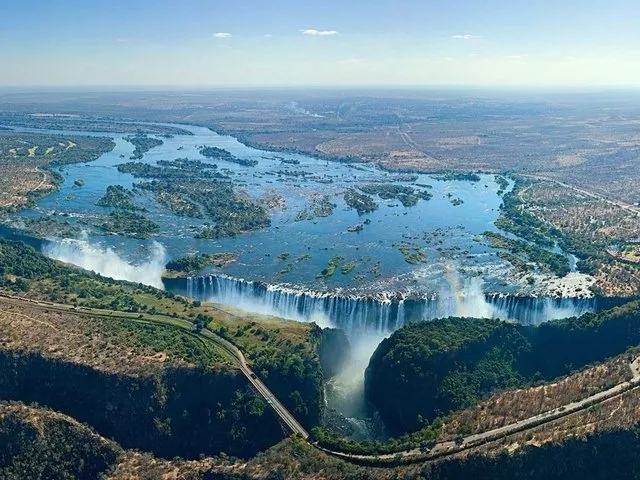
(437, 367)
(503, 184)
(321, 206)
(330, 269)
(231, 213)
(194, 264)
(515, 219)
(179, 169)
(525, 251)
(195, 189)
(283, 353)
(361, 203)
(127, 222)
(117, 196)
(222, 154)
(408, 196)
(41, 445)
(143, 144)
(459, 176)
(126, 218)
(294, 373)
(176, 412)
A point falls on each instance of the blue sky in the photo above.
(348, 42)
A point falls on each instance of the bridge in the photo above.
(438, 451)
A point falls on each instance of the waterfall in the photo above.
(379, 313)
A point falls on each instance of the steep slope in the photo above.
(429, 369)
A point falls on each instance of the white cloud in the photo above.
(319, 33)
(466, 36)
(267, 35)
(122, 40)
(512, 57)
(221, 35)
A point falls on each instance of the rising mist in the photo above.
(108, 263)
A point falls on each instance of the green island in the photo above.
(530, 252)
(361, 203)
(117, 196)
(129, 223)
(196, 263)
(320, 206)
(47, 227)
(331, 267)
(222, 154)
(412, 254)
(347, 268)
(408, 196)
(286, 269)
(457, 176)
(142, 144)
(196, 189)
(179, 169)
(323, 206)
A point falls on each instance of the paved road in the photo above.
(261, 388)
(450, 448)
(618, 203)
(440, 450)
(280, 409)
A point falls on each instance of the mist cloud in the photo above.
(108, 263)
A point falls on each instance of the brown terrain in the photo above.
(510, 406)
(590, 141)
(593, 221)
(26, 159)
(105, 344)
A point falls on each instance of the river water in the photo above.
(446, 234)
(277, 268)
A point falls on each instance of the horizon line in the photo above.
(258, 87)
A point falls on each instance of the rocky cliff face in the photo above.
(39, 444)
(334, 351)
(176, 411)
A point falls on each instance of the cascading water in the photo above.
(379, 313)
(368, 319)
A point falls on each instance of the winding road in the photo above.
(445, 449)
(229, 347)
(439, 451)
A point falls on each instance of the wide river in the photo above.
(294, 252)
(289, 255)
